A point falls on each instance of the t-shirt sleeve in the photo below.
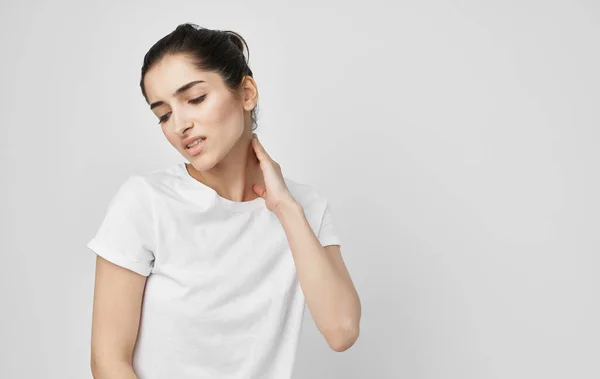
(125, 236)
(327, 233)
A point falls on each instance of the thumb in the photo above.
(260, 190)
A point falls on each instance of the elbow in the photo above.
(345, 335)
(95, 367)
(343, 339)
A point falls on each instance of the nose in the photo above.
(182, 123)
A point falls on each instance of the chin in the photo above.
(202, 162)
(199, 163)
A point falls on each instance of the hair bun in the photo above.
(235, 38)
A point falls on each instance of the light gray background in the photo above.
(457, 143)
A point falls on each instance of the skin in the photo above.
(236, 165)
(228, 163)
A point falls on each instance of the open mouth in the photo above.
(196, 142)
(195, 147)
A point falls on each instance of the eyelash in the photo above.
(196, 100)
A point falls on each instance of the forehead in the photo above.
(172, 72)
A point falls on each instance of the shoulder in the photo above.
(307, 195)
(132, 196)
(155, 181)
(141, 189)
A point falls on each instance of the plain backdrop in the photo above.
(457, 143)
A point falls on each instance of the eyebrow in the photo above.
(178, 91)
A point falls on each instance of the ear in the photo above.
(250, 93)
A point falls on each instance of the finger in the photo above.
(261, 152)
(260, 190)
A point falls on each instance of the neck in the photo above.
(233, 177)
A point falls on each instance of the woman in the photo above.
(203, 269)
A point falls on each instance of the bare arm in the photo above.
(330, 293)
(116, 312)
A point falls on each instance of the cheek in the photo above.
(226, 120)
(222, 113)
(173, 139)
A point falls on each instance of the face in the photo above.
(207, 108)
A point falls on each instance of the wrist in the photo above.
(287, 207)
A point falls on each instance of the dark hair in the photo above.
(220, 51)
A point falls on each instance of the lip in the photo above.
(189, 140)
(195, 150)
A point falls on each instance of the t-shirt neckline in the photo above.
(229, 204)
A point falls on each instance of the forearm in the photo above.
(330, 296)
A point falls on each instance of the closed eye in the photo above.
(197, 100)
(192, 101)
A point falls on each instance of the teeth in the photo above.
(194, 143)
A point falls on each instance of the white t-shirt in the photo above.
(222, 297)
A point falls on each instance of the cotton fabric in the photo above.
(222, 297)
